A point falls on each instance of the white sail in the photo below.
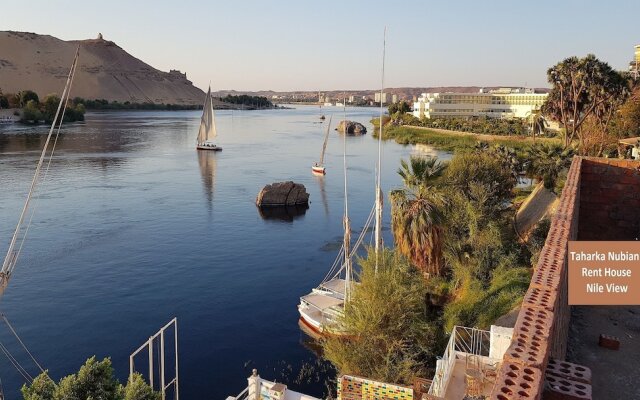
(326, 139)
(208, 121)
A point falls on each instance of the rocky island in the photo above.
(352, 128)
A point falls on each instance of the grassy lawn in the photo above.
(451, 141)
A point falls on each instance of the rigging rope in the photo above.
(46, 171)
(13, 253)
(6, 321)
(333, 273)
(16, 364)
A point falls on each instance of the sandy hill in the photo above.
(105, 71)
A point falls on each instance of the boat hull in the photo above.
(318, 170)
(316, 327)
(210, 148)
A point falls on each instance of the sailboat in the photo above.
(318, 167)
(321, 309)
(207, 126)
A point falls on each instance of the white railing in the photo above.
(243, 395)
(462, 340)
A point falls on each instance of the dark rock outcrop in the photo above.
(282, 194)
(353, 128)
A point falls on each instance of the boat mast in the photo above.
(211, 132)
(326, 139)
(378, 228)
(347, 227)
(10, 260)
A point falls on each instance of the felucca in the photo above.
(318, 167)
(321, 308)
(207, 131)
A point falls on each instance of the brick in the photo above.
(552, 259)
(535, 321)
(515, 381)
(545, 279)
(528, 349)
(540, 297)
(609, 342)
(564, 389)
(569, 371)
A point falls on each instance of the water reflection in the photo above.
(425, 150)
(207, 162)
(283, 213)
(323, 193)
(310, 339)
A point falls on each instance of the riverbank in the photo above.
(453, 140)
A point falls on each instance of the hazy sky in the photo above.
(323, 45)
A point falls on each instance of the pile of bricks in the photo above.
(567, 381)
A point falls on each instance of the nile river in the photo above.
(134, 226)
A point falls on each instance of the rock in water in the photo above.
(353, 128)
(282, 194)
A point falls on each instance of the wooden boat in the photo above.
(207, 131)
(318, 167)
(320, 310)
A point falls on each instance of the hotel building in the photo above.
(501, 103)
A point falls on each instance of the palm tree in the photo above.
(420, 172)
(416, 214)
(546, 162)
(537, 121)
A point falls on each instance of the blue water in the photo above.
(134, 227)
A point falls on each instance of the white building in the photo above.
(377, 97)
(500, 103)
(394, 98)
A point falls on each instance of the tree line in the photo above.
(34, 111)
(248, 101)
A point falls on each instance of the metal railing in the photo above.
(463, 340)
(243, 395)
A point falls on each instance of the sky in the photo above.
(333, 45)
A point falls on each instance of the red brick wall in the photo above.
(609, 199)
(600, 201)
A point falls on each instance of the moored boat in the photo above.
(321, 309)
